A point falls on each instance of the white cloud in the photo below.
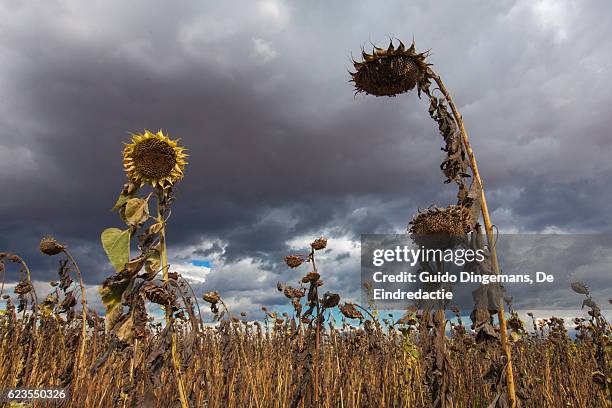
(191, 272)
(275, 14)
(264, 49)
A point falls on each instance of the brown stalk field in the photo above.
(238, 363)
(327, 352)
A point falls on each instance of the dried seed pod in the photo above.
(330, 300)
(319, 244)
(23, 287)
(515, 323)
(293, 293)
(48, 245)
(350, 311)
(311, 277)
(409, 319)
(441, 227)
(293, 261)
(454, 220)
(391, 72)
(158, 294)
(212, 297)
(580, 288)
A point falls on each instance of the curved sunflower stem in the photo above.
(27, 270)
(489, 231)
(169, 320)
(83, 303)
(3, 271)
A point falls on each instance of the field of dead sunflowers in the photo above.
(306, 358)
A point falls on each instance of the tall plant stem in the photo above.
(317, 333)
(83, 303)
(27, 270)
(489, 231)
(169, 321)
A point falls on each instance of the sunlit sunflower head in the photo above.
(154, 158)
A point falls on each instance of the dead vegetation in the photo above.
(306, 358)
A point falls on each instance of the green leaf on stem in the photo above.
(116, 244)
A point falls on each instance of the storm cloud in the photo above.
(281, 150)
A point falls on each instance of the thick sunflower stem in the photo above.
(490, 239)
(169, 320)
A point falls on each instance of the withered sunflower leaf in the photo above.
(111, 293)
(123, 328)
(136, 211)
(121, 201)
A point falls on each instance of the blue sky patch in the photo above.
(199, 262)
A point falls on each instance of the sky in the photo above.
(281, 151)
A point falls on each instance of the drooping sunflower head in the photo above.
(154, 158)
(391, 72)
(441, 227)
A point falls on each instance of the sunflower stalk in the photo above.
(161, 199)
(83, 303)
(488, 230)
(394, 71)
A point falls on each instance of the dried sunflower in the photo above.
(293, 261)
(48, 245)
(311, 277)
(154, 158)
(350, 311)
(391, 72)
(211, 297)
(441, 227)
(319, 244)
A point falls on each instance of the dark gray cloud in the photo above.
(279, 145)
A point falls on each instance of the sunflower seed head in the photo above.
(319, 244)
(293, 261)
(441, 227)
(211, 297)
(391, 72)
(311, 277)
(48, 245)
(350, 311)
(580, 288)
(330, 300)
